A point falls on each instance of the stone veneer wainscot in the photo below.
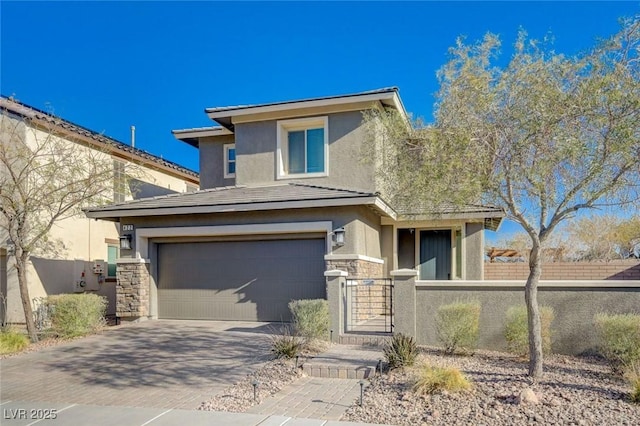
(132, 288)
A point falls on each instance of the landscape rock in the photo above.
(527, 396)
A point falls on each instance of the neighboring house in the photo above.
(83, 240)
(284, 196)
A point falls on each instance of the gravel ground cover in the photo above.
(573, 391)
(271, 378)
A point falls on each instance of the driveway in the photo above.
(158, 364)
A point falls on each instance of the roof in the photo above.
(491, 215)
(392, 89)
(192, 136)
(241, 198)
(125, 150)
(388, 96)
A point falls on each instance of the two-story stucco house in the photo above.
(284, 196)
(82, 240)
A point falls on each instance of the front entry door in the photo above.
(435, 255)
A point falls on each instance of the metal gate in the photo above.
(369, 305)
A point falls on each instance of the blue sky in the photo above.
(157, 65)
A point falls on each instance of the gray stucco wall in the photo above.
(573, 331)
(362, 226)
(474, 251)
(256, 146)
(212, 162)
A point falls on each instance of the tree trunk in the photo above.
(533, 313)
(21, 267)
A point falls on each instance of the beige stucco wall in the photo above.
(55, 270)
(256, 146)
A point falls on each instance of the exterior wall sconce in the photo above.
(338, 237)
(125, 242)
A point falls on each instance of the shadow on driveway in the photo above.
(154, 363)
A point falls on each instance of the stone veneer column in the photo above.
(357, 268)
(404, 301)
(336, 281)
(132, 289)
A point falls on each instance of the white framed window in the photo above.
(303, 148)
(229, 160)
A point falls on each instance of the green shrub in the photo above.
(433, 379)
(619, 340)
(74, 315)
(457, 326)
(400, 351)
(12, 341)
(311, 318)
(516, 330)
(286, 344)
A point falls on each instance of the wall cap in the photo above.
(404, 273)
(353, 257)
(336, 273)
(131, 260)
(541, 284)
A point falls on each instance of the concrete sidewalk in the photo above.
(16, 413)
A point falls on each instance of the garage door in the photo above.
(238, 280)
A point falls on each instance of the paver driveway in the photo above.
(163, 364)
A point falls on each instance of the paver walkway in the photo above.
(314, 397)
(345, 362)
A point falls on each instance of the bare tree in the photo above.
(544, 136)
(45, 176)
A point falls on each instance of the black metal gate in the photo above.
(369, 305)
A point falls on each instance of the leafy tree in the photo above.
(605, 237)
(544, 136)
(45, 177)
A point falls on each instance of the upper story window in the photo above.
(303, 148)
(119, 182)
(229, 160)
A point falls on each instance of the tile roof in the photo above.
(25, 110)
(236, 195)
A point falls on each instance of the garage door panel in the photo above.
(243, 280)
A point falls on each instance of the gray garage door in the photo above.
(238, 280)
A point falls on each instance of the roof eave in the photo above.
(224, 116)
(193, 136)
(117, 213)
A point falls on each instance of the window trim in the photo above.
(283, 128)
(226, 148)
(117, 247)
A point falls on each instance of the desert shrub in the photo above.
(12, 341)
(433, 379)
(286, 344)
(632, 374)
(74, 315)
(516, 330)
(457, 326)
(619, 340)
(400, 351)
(311, 318)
